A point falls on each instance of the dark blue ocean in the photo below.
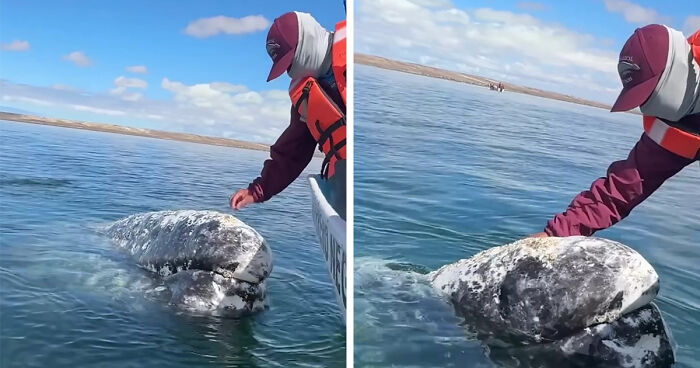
(69, 298)
(444, 170)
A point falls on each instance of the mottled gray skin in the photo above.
(208, 260)
(549, 292)
(637, 339)
(543, 289)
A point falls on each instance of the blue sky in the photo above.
(69, 59)
(564, 46)
(201, 66)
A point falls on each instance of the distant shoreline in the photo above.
(428, 71)
(149, 133)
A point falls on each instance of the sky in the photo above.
(186, 66)
(569, 47)
(200, 67)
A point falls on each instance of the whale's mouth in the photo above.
(170, 268)
(200, 286)
(215, 292)
(227, 271)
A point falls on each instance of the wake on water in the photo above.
(400, 318)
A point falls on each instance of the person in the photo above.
(659, 71)
(315, 60)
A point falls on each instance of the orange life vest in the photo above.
(324, 118)
(675, 138)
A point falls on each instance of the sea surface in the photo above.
(69, 298)
(444, 170)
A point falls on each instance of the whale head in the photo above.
(209, 261)
(543, 289)
(581, 299)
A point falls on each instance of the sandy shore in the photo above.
(427, 71)
(158, 134)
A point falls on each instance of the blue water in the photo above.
(68, 298)
(444, 170)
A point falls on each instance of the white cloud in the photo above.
(434, 3)
(155, 116)
(16, 45)
(97, 110)
(228, 87)
(117, 90)
(133, 97)
(215, 109)
(635, 13)
(30, 100)
(241, 104)
(63, 87)
(531, 5)
(130, 82)
(140, 69)
(691, 24)
(122, 84)
(207, 27)
(496, 44)
(78, 58)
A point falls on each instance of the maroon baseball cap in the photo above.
(642, 61)
(282, 43)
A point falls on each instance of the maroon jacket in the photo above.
(289, 156)
(628, 183)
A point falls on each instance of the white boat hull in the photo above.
(330, 228)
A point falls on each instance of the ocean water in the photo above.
(69, 298)
(444, 170)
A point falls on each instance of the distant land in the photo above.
(428, 71)
(109, 128)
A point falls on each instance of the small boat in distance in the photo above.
(497, 87)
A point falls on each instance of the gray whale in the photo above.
(209, 261)
(574, 296)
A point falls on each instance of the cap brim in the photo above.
(635, 96)
(281, 65)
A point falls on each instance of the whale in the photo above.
(636, 339)
(579, 299)
(207, 261)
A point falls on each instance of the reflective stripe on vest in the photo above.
(674, 139)
(325, 120)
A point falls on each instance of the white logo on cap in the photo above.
(626, 68)
(272, 47)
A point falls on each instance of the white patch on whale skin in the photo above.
(233, 301)
(636, 353)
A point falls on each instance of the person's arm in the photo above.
(288, 157)
(610, 199)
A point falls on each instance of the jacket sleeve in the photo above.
(288, 157)
(610, 199)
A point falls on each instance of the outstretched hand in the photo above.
(241, 199)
